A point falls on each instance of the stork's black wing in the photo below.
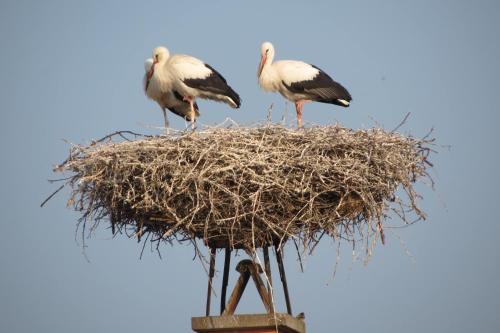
(321, 88)
(214, 83)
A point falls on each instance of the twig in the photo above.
(401, 123)
(50, 196)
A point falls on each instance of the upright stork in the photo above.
(299, 82)
(158, 86)
(192, 78)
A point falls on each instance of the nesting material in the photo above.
(249, 187)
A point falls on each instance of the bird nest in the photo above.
(249, 187)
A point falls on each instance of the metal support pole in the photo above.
(269, 282)
(225, 277)
(211, 273)
(283, 279)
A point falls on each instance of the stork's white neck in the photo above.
(163, 70)
(161, 81)
(269, 79)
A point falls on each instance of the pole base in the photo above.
(249, 323)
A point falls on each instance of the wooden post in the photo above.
(238, 289)
(255, 271)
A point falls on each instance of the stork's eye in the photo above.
(267, 51)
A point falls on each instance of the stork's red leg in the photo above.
(165, 118)
(193, 115)
(190, 99)
(298, 107)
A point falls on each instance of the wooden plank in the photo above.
(247, 323)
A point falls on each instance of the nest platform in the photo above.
(248, 187)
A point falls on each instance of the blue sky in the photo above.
(72, 70)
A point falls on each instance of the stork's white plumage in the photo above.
(299, 82)
(190, 78)
(158, 85)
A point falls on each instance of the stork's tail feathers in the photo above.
(335, 94)
(344, 102)
(337, 101)
(234, 97)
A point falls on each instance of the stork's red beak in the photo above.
(150, 73)
(263, 59)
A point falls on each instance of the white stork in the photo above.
(158, 86)
(299, 82)
(193, 78)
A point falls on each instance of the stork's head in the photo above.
(160, 55)
(266, 55)
(266, 48)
